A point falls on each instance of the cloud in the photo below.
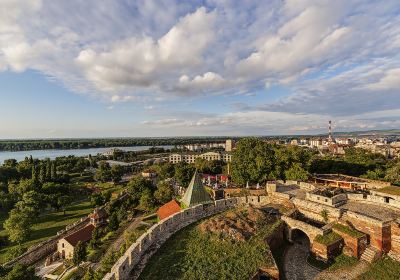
(335, 58)
(144, 62)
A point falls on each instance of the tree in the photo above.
(146, 200)
(21, 272)
(63, 201)
(103, 172)
(116, 173)
(164, 192)
(18, 225)
(296, 172)
(79, 253)
(113, 222)
(184, 173)
(136, 186)
(253, 161)
(53, 171)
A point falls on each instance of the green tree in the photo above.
(164, 192)
(79, 253)
(184, 173)
(325, 215)
(116, 173)
(136, 186)
(18, 225)
(103, 172)
(21, 272)
(253, 161)
(113, 222)
(296, 172)
(146, 200)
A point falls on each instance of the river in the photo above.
(41, 154)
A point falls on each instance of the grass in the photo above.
(342, 261)
(328, 239)
(383, 269)
(348, 230)
(191, 254)
(390, 190)
(49, 224)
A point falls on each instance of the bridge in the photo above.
(309, 230)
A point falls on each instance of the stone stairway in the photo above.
(370, 254)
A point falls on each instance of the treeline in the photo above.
(256, 161)
(25, 145)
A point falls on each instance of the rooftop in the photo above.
(82, 235)
(168, 209)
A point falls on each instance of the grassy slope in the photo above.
(383, 269)
(190, 254)
(48, 224)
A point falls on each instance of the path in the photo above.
(116, 244)
(348, 273)
(295, 263)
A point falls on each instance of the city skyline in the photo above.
(166, 68)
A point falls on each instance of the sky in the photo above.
(121, 68)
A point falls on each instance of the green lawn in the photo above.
(47, 225)
(191, 254)
(328, 239)
(383, 269)
(342, 261)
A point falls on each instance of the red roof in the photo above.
(168, 209)
(82, 235)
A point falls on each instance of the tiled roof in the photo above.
(83, 235)
(195, 193)
(168, 209)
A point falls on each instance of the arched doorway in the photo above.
(300, 237)
(296, 254)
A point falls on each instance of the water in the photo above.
(41, 154)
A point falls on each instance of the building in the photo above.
(195, 193)
(315, 143)
(229, 145)
(66, 245)
(191, 157)
(98, 217)
(168, 209)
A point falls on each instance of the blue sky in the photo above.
(170, 68)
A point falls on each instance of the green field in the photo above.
(48, 225)
(191, 254)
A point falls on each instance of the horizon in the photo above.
(150, 69)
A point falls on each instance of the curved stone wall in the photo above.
(155, 236)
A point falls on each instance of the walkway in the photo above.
(295, 263)
(348, 273)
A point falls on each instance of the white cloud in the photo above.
(336, 58)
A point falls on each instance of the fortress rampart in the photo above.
(147, 244)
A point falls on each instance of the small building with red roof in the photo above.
(66, 245)
(168, 209)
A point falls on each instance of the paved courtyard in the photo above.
(372, 210)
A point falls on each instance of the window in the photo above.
(62, 244)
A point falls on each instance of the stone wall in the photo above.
(334, 201)
(313, 210)
(308, 229)
(306, 186)
(395, 232)
(354, 246)
(326, 252)
(379, 232)
(154, 237)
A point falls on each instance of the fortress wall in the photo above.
(379, 232)
(313, 210)
(154, 237)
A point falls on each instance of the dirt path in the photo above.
(116, 244)
(344, 274)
